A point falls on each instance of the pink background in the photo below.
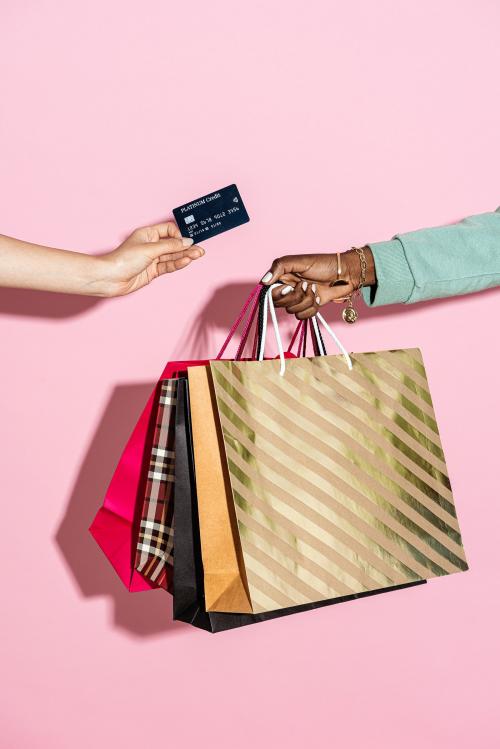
(341, 123)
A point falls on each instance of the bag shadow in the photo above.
(218, 314)
(140, 614)
(149, 613)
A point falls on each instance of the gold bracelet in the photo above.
(362, 261)
(349, 314)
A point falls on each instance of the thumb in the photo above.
(283, 266)
(273, 274)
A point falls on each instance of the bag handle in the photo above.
(319, 317)
(319, 338)
(298, 329)
(247, 327)
(269, 305)
(304, 327)
(253, 297)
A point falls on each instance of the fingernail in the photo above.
(267, 277)
(187, 242)
(286, 290)
(313, 287)
(304, 285)
(318, 300)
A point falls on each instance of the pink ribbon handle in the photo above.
(297, 330)
(247, 328)
(253, 297)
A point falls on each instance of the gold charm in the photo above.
(349, 314)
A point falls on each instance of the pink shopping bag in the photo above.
(115, 525)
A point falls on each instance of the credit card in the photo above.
(211, 214)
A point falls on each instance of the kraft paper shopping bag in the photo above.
(224, 578)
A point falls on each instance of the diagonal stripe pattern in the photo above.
(338, 477)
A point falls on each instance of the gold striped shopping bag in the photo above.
(337, 475)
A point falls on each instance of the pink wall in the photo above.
(341, 123)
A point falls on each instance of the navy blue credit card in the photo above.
(212, 214)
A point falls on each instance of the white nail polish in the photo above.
(304, 285)
(313, 287)
(286, 290)
(318, 300)
(267, 277)
(187, 242)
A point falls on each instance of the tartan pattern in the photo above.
(155, 544)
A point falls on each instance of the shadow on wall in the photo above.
(40, 304)
(141, 614)
(218, 314)
(148, 613)
(223, 307)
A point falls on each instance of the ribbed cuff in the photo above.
(395, 281)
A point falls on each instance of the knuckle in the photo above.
(306, 313)
(144, 233)
(172, 229)
(152, 234)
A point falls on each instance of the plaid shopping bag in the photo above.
(155, 543)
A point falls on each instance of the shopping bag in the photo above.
(116, 525)
(337, 475)
(224, 575)
(188, 593)
(224, 571)
(154, 550)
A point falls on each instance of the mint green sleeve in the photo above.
(437, 262)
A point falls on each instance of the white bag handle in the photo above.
(319, 340)
(269, 303)
(339, 345)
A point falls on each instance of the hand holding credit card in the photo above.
(211, 214)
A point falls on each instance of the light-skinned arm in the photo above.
(147, 253)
